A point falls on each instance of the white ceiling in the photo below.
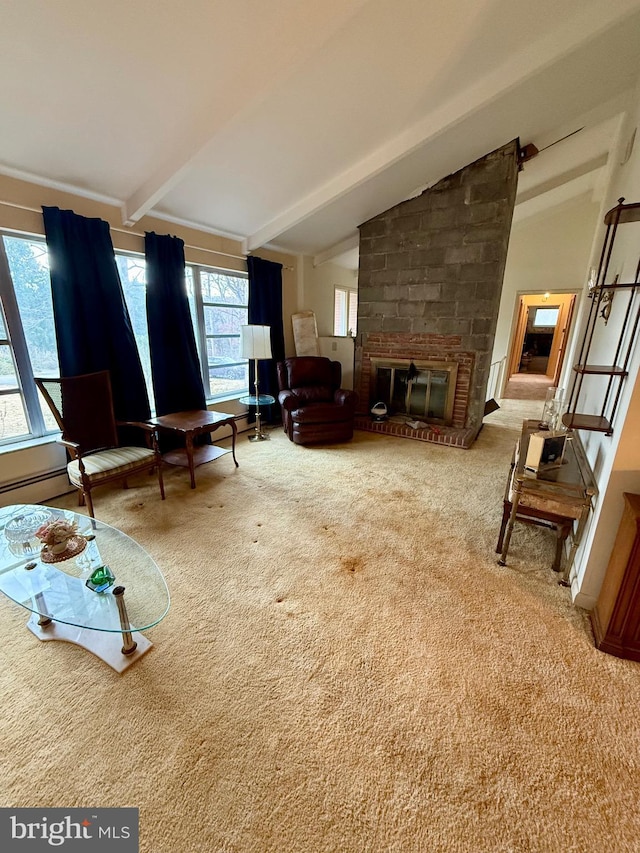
(290, 123)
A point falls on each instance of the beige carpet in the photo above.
(527, 386)
(344, 667)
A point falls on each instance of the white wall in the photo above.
(616, 458)
(555, 252)
(342, 350)
(619, 472)
(319, 285)
(546, 252)
(317, 295)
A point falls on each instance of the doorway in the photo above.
(539, 344)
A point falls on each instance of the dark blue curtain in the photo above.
(93, 327)
(265, 309)
(175, 367)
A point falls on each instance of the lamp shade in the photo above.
(255, 341)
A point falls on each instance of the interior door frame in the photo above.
(560, 336)
(566, 300)
(517, 344)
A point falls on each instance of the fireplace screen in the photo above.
(422, 390)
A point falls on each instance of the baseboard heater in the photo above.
(32, 481)
(58, 472)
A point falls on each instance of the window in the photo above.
(13, 417)
(546, 317)
(133, 276)
(27, 337)
(345, 312)
(218, 303)
(221, 307)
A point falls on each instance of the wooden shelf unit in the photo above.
(593, 423)
(601, 297)
(600, 369)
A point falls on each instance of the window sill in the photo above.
(229, 398)
(29, 443)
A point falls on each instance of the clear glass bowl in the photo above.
(20, 530)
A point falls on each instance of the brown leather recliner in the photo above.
(315, 410)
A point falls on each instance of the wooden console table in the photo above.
(559, 498)
(190, 424)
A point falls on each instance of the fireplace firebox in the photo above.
(417, 390)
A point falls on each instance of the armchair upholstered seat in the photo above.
(315, 410)
(83, 409)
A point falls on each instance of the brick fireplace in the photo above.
(429, 288)
(418, 349)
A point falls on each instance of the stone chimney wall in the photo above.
(433, 266)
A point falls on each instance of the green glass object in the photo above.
(101, 579)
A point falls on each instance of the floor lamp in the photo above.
(256, 344)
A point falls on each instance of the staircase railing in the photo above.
(496, 377)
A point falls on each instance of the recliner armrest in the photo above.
(345, 397)
(288, 400)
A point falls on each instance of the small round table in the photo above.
(260, 400)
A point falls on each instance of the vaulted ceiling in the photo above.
(290, 123)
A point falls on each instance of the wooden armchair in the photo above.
(83, 409)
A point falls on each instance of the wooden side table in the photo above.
(559, 498)
(191, 424)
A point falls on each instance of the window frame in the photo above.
(350, 295)
(19, 351)
(201, 331)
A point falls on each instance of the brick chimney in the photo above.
(429, 286)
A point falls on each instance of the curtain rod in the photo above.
(129, 231)
(138, 234)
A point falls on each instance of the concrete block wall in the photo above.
(433, 265)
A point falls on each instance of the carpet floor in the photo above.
(344, 667)
(527, 386)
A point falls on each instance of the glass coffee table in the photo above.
(99, 593)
